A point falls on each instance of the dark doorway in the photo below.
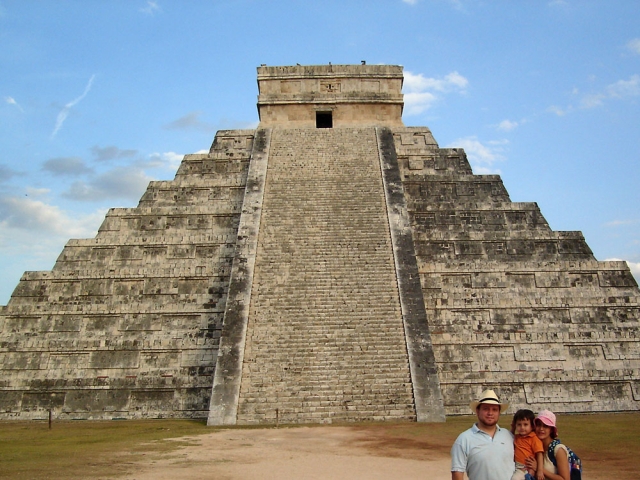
(324, 120)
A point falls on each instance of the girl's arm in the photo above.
(562, 464)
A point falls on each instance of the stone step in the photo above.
(325, 314)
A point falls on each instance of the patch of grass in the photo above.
(419, 441)
(607, 443)
(86, 449)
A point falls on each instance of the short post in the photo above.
(49, 419)
(277, 412)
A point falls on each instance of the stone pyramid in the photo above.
(332, 265)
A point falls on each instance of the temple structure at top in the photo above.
(331, 265)
(324, 96)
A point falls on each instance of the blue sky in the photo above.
(98, 98)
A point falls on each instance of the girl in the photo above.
(546, 431)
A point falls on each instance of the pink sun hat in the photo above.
(548, 418)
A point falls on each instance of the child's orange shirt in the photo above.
(527, 446)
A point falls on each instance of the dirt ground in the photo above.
(607, 443)
(307, 453)
(297, 453)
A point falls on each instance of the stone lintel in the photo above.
(306, 71)
(329, 99)
(424, 376)
(228, 374)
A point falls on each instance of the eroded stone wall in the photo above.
(127, 324)
(511, 304)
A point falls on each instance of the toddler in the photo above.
(526, 444)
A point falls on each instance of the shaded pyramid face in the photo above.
(331, 265)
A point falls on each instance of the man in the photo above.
(485, 451)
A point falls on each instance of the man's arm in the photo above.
(458, 461)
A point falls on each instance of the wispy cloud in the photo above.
(12, 101)
(482, 156)
(634, 45)
(410, 2)
(559, 111)
(24, 213)
(66, 166)
(507, 125)
(123, 183)
(421, 93)
(618, 223)
(37, 192)
(167, 160)
(418, 83)
(625, 88)
(151, 8)
(111, 152)
(592, 100)
(231, 124)
(6, 173)
(33, 232)
(64, 113)
(619, 90)
(191, 121)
